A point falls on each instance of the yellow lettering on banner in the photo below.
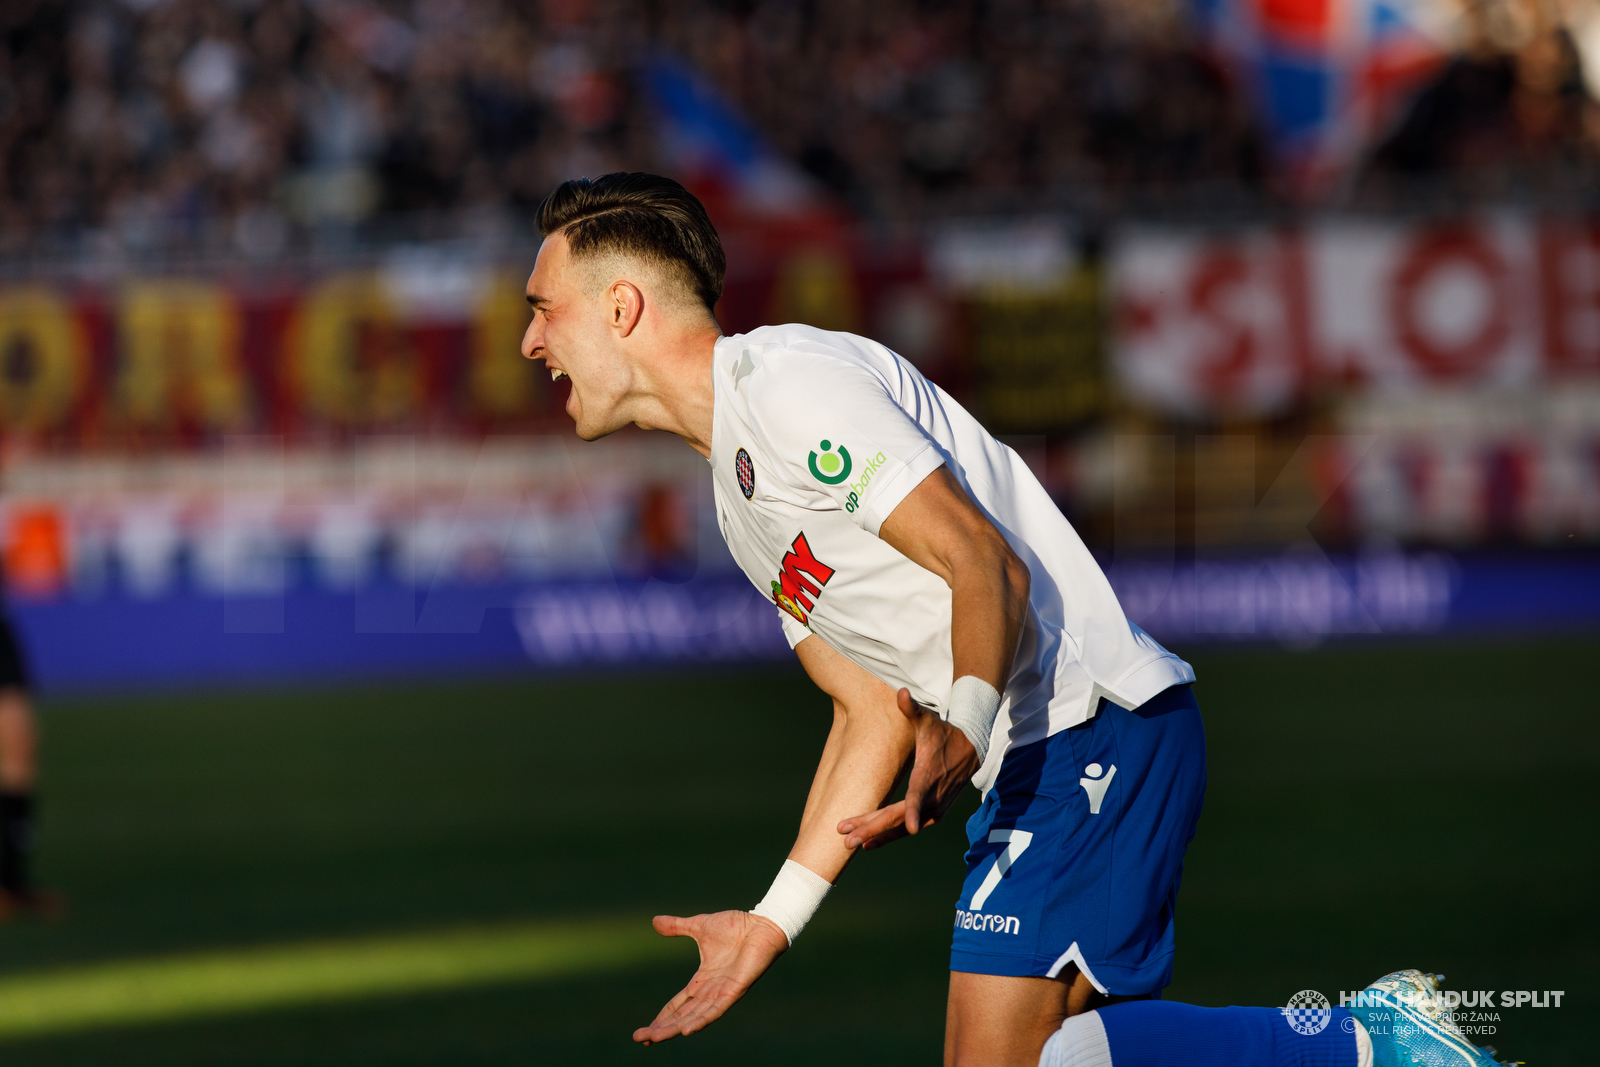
(180, 356)
(815, 286)
(350, 357)
(43, 358)
(1038, 355)
(502, 383)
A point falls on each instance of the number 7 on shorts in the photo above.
(1017, 842)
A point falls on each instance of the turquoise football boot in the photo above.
(1409, 1027)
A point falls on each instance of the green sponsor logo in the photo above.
(859, 489)
(830, 468)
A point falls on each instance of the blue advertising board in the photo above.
(393, 630)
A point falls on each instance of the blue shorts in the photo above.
(1077, 850)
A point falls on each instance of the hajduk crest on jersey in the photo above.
(745, 468)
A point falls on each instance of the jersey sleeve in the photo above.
(840, 433)
(793, 632)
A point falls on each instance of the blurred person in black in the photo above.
(1498, 117)
(19, 747)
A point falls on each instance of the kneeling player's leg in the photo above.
(1157, 1033)
(995, 1019)
(1000, 1019)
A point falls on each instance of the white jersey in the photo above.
(816, 436)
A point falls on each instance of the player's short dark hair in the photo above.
(644, 215)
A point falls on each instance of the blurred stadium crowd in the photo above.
(227, 122)
(149, 120)
(1500, 117)
(290, 235)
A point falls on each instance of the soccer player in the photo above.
(19, 743)
(930, 587)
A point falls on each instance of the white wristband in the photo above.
(974, 703)
(794, 897)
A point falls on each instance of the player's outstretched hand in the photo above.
(736, 948)
(944, 763)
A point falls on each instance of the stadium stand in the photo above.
(149, 122)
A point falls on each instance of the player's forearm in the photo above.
(988, 601)
(869, 743)
(940, 529)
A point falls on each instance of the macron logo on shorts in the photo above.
(1096, 786)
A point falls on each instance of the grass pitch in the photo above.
(464, 873)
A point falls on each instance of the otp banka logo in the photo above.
(831, 467)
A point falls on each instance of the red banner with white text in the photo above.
(1252, 322)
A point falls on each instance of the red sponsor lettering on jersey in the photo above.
(800, 578)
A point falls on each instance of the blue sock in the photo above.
(1164, 1033)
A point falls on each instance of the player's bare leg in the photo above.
(19, 747)
(19, 742)
(997, 1021)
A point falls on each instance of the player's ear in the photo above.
(627, 307)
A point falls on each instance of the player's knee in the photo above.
(1001, 1043)
(1070, 1046)
(999, 1053)
(1081, 1042)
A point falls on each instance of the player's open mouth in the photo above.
(556, 375)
